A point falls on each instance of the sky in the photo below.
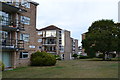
(75, 15)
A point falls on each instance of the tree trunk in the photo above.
(103, 56)
(108, 56)
(118, 55)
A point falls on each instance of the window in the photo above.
(17, 3)
(25, 3)
(25, 20)
(3, 34)
(51, 33)
(24, 55)
(5, 18)
(39, 40)
(31, 46)
(40, 33)
(24, 37)
(62, 49)
(40, 47)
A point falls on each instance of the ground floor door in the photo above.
(7, 59)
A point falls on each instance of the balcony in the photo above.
(53, 51)
(11, 44)
(11, 7)
(49, 44)
(12, 25)
(44, 37)
(50, 49)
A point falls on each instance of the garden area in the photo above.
(80, 68)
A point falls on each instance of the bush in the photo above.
(74, 55)
(113, 55)
(2, 66)
(42, 59)
(83, 57)
(100, 56)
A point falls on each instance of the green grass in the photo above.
(84, 68)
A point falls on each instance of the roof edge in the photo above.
(35, 3)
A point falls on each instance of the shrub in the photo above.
(57, 57)
(42, 59)
(100, 56)
(113, 55)
(2, 66)
(74, 55)
(83, 57)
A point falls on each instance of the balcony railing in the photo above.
(11, 44)
(49, 43)
(53, 51)
(19, 4)
(12, 24)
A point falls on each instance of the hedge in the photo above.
(42, 59)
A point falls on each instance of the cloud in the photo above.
(75, 15)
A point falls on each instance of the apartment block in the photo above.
(20, 38)
(56, 41)
(74, 46)
(17, 30)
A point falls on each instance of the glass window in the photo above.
(24, 55)
(40, 33)
(25, 20)
(24, 37)
(3, 34)
(5, 18)
(51, 33)
(31, 46)
(39, 40)
(25, 3)
(40, 47)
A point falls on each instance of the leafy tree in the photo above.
(102, 36)
(117, 39)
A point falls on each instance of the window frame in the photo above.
(25, 20)
(21, 56)
(40, 33)
(39, 40)
(22, 37)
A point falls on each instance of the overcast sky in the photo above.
(75, 15)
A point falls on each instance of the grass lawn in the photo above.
(68, 69)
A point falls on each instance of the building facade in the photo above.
(19, 37)
(119, 12)
(17, 32)
(57, 41)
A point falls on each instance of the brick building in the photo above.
(17, 32)
(57, 41)
(19, 37)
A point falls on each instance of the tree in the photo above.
(118, 38)
(102, 36)
(88, 49)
